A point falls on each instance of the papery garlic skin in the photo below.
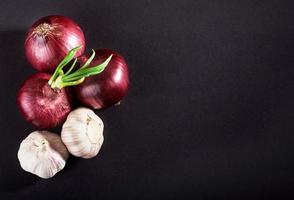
(42, 153)
(82, 133)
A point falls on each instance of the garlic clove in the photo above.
(42, 153)
(82, 133)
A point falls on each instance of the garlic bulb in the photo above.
(42, 153)
(82, 133)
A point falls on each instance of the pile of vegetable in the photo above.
(55, 47)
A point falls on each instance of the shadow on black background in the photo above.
(14, 69)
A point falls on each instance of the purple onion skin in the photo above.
(40, 104)
(50, 39)
(107, 88)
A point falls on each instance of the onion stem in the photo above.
(59, 79)
(72, 66)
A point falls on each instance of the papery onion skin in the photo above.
(40, 104)
(50, 39)
(107, 88)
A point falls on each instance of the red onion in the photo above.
(107, 88)
(42, 105)
(50, 39)
(42, 98)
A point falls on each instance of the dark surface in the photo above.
(210, 110)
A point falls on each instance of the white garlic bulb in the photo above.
(42, 153)
(82, 133)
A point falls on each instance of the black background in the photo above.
(210, 110)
